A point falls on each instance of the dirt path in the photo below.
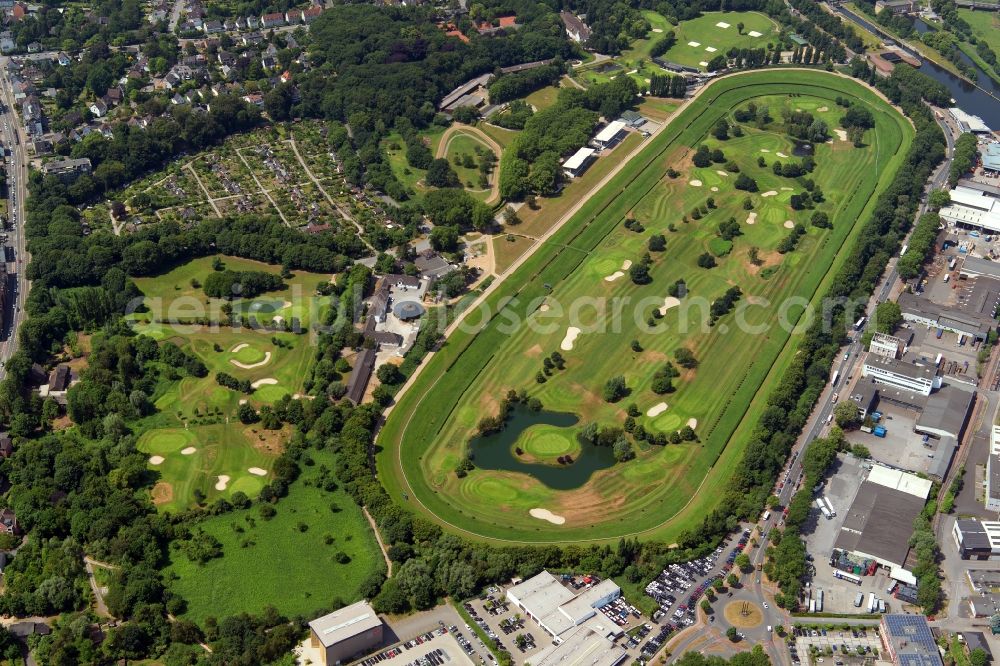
(100, 607)
(381, 544)
(204, 189)
(261, 187)
(458, 129)
(347, 216)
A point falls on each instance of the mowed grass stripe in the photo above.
(526, 284)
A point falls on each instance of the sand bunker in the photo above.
(222, 482)
(614, 276)
(779, 154)
(822, 109)
(657, 30)
(257, 471)
(188, 451)
(721, 24)
(711, 49)
(769, 193)
(239, 347)
(571, 334)
(545, 307)
(545, 514)
(786, 189)
(789, 224)
(692, 422)
(841, 134)
(694, 44)
(754, 33)
(724, 174)
(669, 302)
(715, 189)
(752, 218)
(695, 183)
(156, 460)
(764, 150)
(627, 264)
(251, 366)
(657, 409)
(703, 63)
(267, 381)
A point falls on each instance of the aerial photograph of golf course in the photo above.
(195, 441)
(607, 326)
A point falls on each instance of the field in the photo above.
(659, 493)
(703, 31)
(195, 441)
(985, 26)
(244, 579)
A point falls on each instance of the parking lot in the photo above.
(901, 448)
(440, 647)
(679, 587)
(839, 646)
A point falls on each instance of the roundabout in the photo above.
(743, 614)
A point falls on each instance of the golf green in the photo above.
(548, 443)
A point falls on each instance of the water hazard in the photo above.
(496, 451)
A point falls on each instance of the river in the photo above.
(967, 97)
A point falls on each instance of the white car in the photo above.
(765, 605)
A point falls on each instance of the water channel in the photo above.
(967, 97)
(496, 451)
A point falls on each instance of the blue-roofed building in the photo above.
(908, 641)
(991, 157)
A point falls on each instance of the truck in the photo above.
(836, 376)
(850, 578)
(881, 605)
(871, 602)
(951, 264)
(865, 428)
(826, 512)
(937, 361)
(947, 276)
(961, 339)
(819, 602)
(879, 431)
(860, 323)
(812, 605)
(939, 333)
(829, 506)
(767, 514)
(860, 599)
(829, 419)
(876, 416)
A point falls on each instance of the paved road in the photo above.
(17, 174)
(175, 15)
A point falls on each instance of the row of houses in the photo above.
(195, 20)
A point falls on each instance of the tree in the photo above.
(444, 238)
(732, 580)
(846, 415)
(623, 450)
(657, 243)
(739, 28)
(939, 199)
(510, 216)
(732, 634)
(685, 358)
(742, 562)
(440, 174)
(706, 260)
(888, 317)
(388, 373)
(745, 183)
(978, 657)
(615, 389)
(721, 130)
(639, 273)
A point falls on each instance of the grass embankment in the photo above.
(659, 494)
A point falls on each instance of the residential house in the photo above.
(8, 522)
(226, 58)
(19, 11)
(272, 20)
(311, 14)
(7, 44)
(253, 22)
(230, 25)
(252, 39)
(254, 98)
(6, 446)
(99, 108)
(114, 96)
(178, 100)
(34, 47)
(212, 27)
(63, 59)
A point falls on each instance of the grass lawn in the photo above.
(985, 26)
(275, 562)
(507, 250)
(658, 109)
(462, 146)
(659, 493)
(199, 416)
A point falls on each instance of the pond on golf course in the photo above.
(496, 451)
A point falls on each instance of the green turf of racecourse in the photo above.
(461, 144)
(293, 570)
(198, 412)
(659, 494)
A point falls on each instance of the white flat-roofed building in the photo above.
(589, 645)
(610, 135)
(555, 607)
(901, 373)
(969, 122)
(972, 207)
(995, 441)
(578, 162)
(346, 633)
(885, 345)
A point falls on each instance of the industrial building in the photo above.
(907, 374)
(990, 155)
(977, 539)
(992, 496)
(974, 318)
(578, 162)
(908, 641)
(556, 608)
(588, 646)
(879, 522)
(972, 208)
(886, 346)
(346, 633)
(968, 122)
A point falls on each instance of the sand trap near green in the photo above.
(247, 354)
(251, 366)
